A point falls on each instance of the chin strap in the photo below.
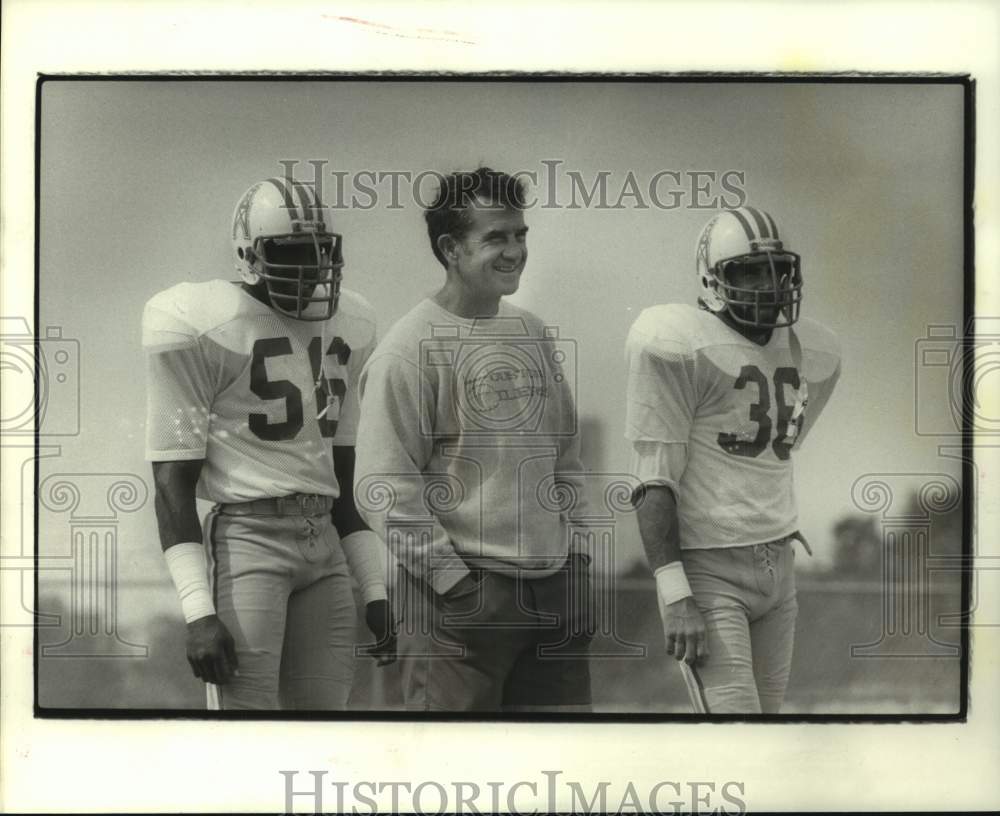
(796, 348)
(321, 381)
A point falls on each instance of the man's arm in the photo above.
(211, 650)
(659, 527)
(176, 510)
(392, 454)
(568, 469)
(661, 399)
(346, 517)
(366, 557)
(656, 511)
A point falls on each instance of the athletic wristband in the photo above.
(366, 557)
(672, 583)
(189, 569)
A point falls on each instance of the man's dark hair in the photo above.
(462, 191)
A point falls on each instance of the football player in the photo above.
(252, 405)
(719, 397)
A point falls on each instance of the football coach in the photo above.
(468, 465)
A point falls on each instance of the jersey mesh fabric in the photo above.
(234, 383)
(717, 417)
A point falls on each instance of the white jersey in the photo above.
(716, 417)
(261, 397)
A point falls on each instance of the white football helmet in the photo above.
(733, 241)
(280, 237)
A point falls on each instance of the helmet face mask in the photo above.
(761, 290)
(300, 270)
(281, 240)
(746, 272)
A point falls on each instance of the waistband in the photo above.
(298, 504)
(778, 541)
(788, 539)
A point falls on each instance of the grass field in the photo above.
(903, 677)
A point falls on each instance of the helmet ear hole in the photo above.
(239, 253)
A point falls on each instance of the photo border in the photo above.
(190, 766)
(967, 84)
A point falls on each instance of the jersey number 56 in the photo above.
(287, 390)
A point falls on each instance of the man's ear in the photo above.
(448, 246)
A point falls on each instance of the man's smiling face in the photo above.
(492, 253)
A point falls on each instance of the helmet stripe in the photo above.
(745, 224)
(759, 219)
(307, 203)
(774, 227)
(286, 194)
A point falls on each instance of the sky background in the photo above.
(139, 180)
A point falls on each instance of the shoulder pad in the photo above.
(817, 337)
(182, 313)
(820, 348)
(672, 328)
(355, 317)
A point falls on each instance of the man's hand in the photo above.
(211, 650)
(379, 619)
(684, 627)
(466, 585)
(659, 526)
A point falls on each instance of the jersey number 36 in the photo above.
(788, 426)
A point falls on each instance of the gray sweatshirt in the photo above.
(467, 447)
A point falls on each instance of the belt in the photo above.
(298, 504)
